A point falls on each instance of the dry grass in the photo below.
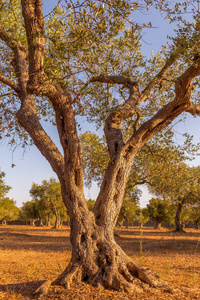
(29, 255)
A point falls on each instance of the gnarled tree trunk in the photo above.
(96, 257)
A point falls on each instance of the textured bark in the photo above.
(96, 257)
(98, 260)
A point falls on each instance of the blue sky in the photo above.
(32, 166)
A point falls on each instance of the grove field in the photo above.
(30, 255)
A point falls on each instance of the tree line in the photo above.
(47, 209)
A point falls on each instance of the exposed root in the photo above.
(74, 275)
(43, 289)
(108, 267)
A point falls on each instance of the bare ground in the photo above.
(30, 255)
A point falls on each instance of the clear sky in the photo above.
(32, 166)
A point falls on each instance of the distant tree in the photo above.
(41, 206)
(143, 216)
(130, 207)
(28, 212)
(160, 211)
(48, 201)
(4, 188)
(53, 200)
(8, 210)
(178, 183)
(194, 215)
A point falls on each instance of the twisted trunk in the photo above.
(98, 260)
(96, 257)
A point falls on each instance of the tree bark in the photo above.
(98, 260)
(96, 257)
(178, 223)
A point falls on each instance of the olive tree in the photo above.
(159, 211)
(178, 183)
(72, 63)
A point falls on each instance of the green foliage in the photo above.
(29, 211)
(90, 204)
(48, 199)
(95, 157)
(130, 206)
(8, 209)
(151, 164)
(4, 188)
(177, 181)
(90, 38)
(160, 211)
(194, 214)
(143, 216)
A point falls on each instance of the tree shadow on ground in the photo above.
(143, 244)
(24, 290)
(131, 240)
(155, 232)
(44, 243)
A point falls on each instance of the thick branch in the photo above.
(34, 24)
(114, 122)
(194, 110)
(27, 116)
(28, 119)
(9, 82)
(19, 62)
(117, 176)
(169, 112)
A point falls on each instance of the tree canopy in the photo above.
(85, 59)
(8, 209)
